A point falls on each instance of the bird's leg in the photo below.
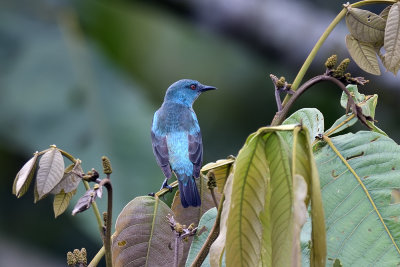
(165, 185)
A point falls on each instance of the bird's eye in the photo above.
(193, 87)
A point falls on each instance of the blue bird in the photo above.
(176, 138)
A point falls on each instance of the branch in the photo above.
(281, 115)
(107, 236)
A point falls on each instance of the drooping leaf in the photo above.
(365, 26)
(50, 172)
(220, 169)
(303, 164)
(142, 236)
(190, 214)
(364, 54)
(358, 173)
(70, 180)
(311, 118)
(299, 216)
(24, 177)
(61, 202)
(278, 228)
(205, 225)
(218, 247)
(244, 229)
(392, 40)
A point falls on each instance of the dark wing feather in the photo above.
(160, 150)
(196, 152)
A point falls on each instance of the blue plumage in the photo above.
(176, 138)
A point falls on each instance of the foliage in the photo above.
(294, 195)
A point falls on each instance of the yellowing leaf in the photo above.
(364, 25)
(220, 169)
(61, 202)
(363, 54)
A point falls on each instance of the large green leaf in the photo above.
(142, 235)
(364, 25)
(243, 242)
(278, 230)
(364, 54)
(205, 225)
(392, 40)
(358, 174)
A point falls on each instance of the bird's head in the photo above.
(185, 91)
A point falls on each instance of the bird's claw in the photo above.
(166, 185)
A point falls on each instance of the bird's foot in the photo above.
(152, 194)
(165, 185)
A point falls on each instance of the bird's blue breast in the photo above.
(176, 122)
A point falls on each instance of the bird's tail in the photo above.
(188, 191)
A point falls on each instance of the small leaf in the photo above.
(85, 201)
(392, 40)
(365, 26)
(24, 177)
(70, 180)
(207, 222)
(364, 54)
(61, 202)
(50, 173)
(142, 235)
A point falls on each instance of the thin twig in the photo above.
(97, 257)
(281, 115)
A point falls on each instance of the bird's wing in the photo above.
(160, 150)
(196, 152)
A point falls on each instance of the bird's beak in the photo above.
(207, 87)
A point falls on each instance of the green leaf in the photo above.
(205, 225)
(392, 40)
(364, 54)
(25, 176)
(50, 172)
(218, 247)
(142, 235)
(303, 164)
(365, 26)
(61, 202)
(278, 232)
(70, 180)
(311, 118)
(190, 214)
(244, 229)
(358, 174)
(220, 169)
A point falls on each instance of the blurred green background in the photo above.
(88, 75)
